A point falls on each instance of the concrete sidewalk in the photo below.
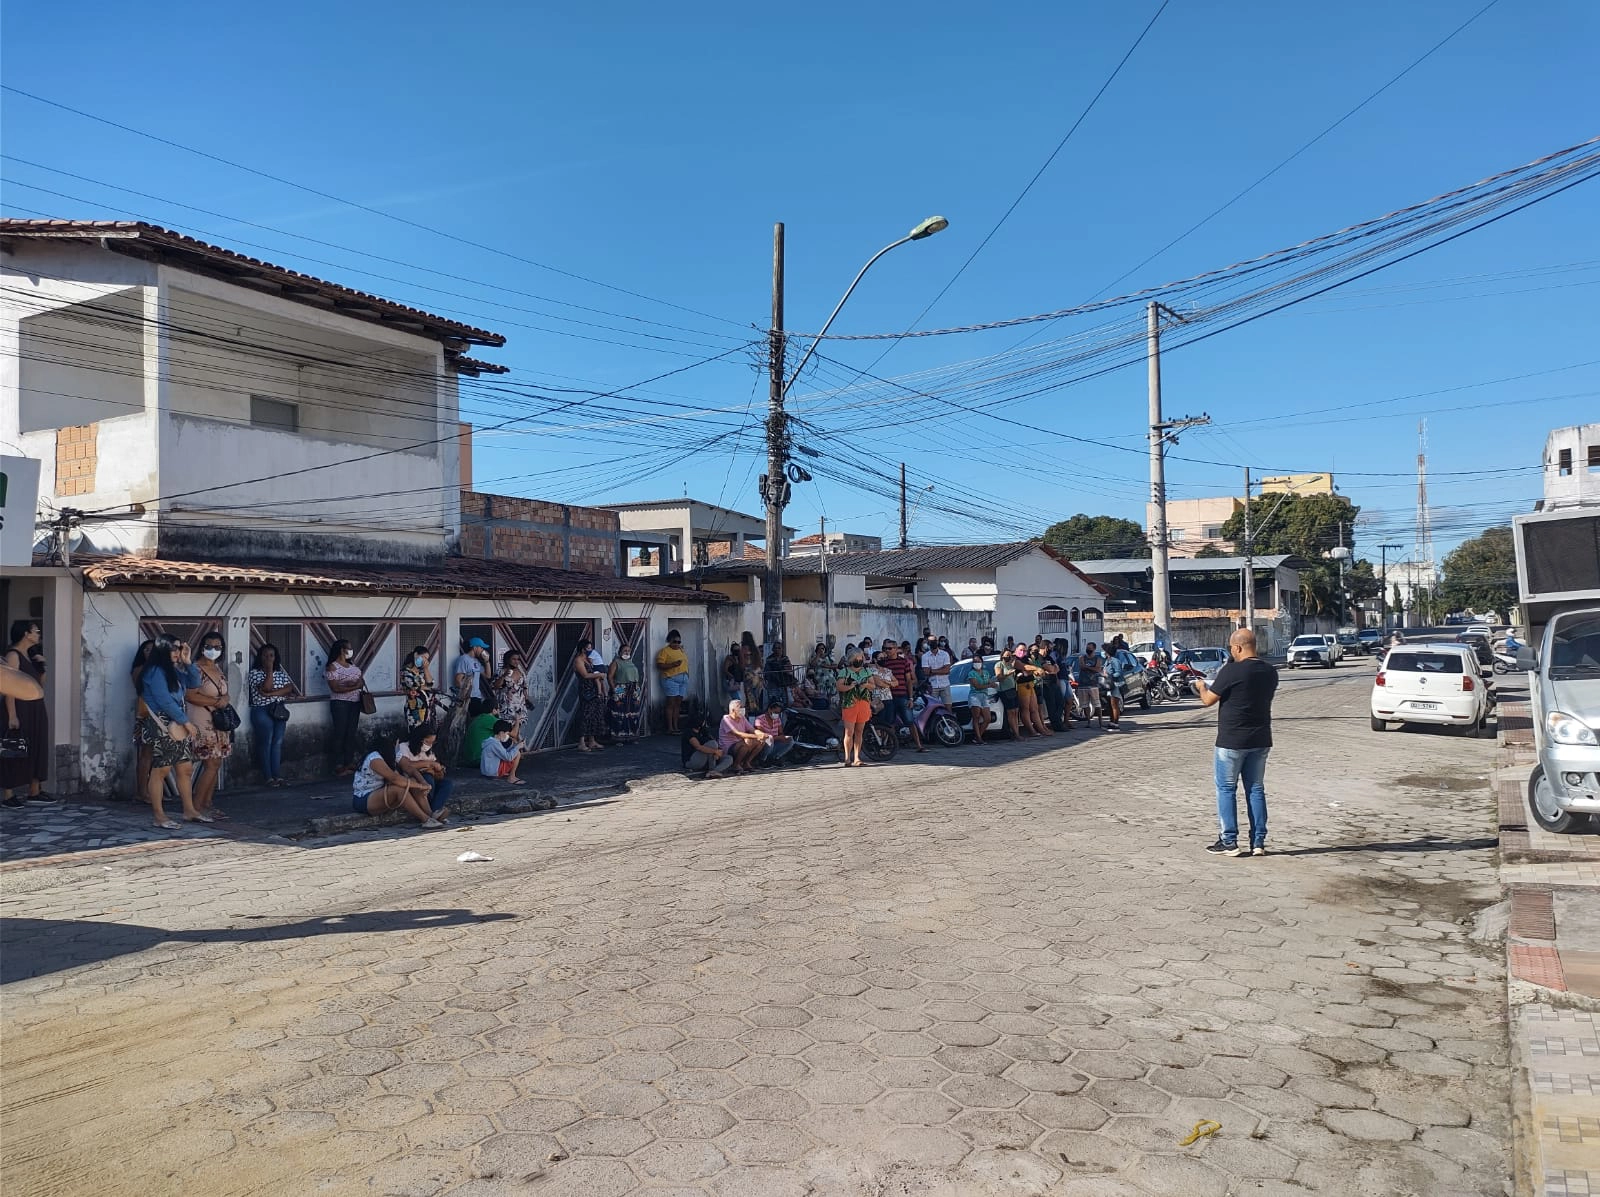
(1553, 979)
(44, 831)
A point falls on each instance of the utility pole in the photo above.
(827, 590)
(1249, 561)
(1383, 591)
(904, 544)
(1160, 433)
(775, 486)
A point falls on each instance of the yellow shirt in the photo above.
(670, 662)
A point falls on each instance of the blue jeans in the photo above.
(268, 735)
(776, 750)
(439, 789)
(1250, 766)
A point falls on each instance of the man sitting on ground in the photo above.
(701, 754)
(499, 757)
(777, 742)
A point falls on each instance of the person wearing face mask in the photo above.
(625, 706)
(510, 688)
(416, 679)
(267, 685)
(855, 683)
(469, 671)
(26, 719)
(345, 684)
(211, 745)
(936, 664)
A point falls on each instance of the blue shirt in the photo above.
(165, 702)
(493, 753)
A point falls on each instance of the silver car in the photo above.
(1208, 661)
(1564, 791)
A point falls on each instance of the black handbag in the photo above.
(224, 718)
(278, 711)
(13, 747)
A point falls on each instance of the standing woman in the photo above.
(854, 684)
(268, 685)
(166, 728)
(141, 750)
(211, 746)
(1029, 676)
(625, 704)
(510, 688)
(345, 684)
(732, 675)
(1005, 684)
(592, 703)
(26, 718)
(416, 679)
(981, 681)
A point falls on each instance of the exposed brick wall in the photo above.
(532, 532)
(77, 456)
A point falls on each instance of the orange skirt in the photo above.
(857, 712)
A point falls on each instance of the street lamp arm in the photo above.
(817, 340)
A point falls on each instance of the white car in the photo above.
(1144, 650)
(1310, 650)
(1437, 683)
(1335, 648)
(1208, 661)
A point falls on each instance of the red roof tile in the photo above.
(458, 575)
(191, 251)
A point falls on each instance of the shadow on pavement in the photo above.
(37, 947)
(1422, 845)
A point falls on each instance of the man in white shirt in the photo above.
(936, 662)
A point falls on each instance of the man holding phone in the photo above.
(1244, 688)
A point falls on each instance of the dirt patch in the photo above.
(1433, 781)
(1444, 901)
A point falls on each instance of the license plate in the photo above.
(1425, 706)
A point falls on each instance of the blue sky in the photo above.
(651, 149)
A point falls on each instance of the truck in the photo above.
(1558, 584)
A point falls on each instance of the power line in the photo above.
(357, 205)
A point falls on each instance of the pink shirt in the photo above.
(771, 724)
(725, 737)
(346, 674)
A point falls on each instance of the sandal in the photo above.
(202, 817)
(169, 825)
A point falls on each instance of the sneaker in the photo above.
(1259, 850)
(1223, 848)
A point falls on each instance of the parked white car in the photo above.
(1334, 647)
(1436, 683)
(1310, 650)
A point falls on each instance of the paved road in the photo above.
(1002, 971)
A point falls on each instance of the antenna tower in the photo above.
(1423, 553)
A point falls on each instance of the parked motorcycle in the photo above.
(1505, 663)
(823, 731)
(935, 720)
(1153, 683)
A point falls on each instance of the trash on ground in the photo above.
(472, 857)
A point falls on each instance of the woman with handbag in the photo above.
(214, 716)
(626, 708)
(25, 757)
(269, 684)
(346, 688)
(166, 729)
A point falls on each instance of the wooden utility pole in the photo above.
(903, 521)
(775, 485)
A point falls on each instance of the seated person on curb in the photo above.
(769, 726)
(479, 729)
(499, 757)
(379, 787)
(702, 755)
(737, 735)
(414, 757)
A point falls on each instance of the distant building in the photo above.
(1194, 524)
(838, 542)
(672, 535)
(1299, 484)
(1572, 467)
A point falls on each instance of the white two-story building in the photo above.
(228, 444)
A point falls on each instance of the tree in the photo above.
(1304, 525)
(1095, 536)
(1209, 550)
(1481, 573)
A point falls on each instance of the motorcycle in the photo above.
(934, 719)
(1505, 663)
(823, 731)
(1153, 679)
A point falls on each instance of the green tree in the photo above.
(1088, 537)
(1211, 550)
(1481, 573)
(1305, 525)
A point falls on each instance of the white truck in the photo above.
(1558, 581)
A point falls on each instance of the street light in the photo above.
(775, 485)
(1340, 554)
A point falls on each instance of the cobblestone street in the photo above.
(1007, 971)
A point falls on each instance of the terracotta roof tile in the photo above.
(230, 262)
(457, 575)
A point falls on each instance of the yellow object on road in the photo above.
(1201, 1129)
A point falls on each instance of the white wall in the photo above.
(110, 633)
(1036, 581)
(963, 590)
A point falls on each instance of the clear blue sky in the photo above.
(651, 148)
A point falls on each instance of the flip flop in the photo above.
(169, 825)
(200, 818)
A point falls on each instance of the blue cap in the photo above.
(476, 643)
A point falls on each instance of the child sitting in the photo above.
(499, 758)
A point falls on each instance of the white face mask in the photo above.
(346, 655)
(211, 654)
(421, 662)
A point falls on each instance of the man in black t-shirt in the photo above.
(1244, 687)
(698, 747)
